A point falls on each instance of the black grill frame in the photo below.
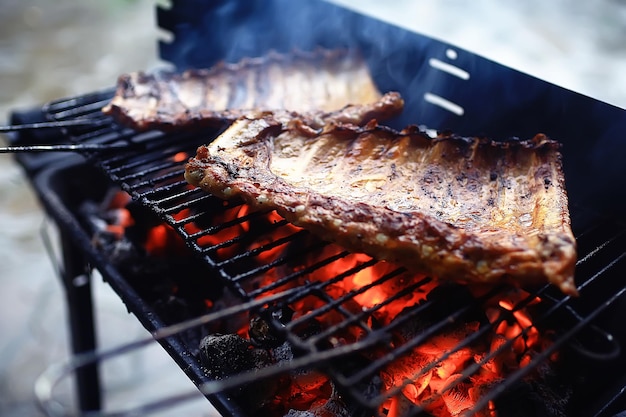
(147, 172)
(151, 175)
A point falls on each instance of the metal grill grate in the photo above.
(241, 247)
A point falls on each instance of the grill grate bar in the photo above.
(398, 352)
(350, 295)
(155, 181)
(158, 147)
(166, 199)
(293, 276)
(210, 250)
(366, 373)
(151, 194)
(472, 370)
(104, 134)
(231, 223)
(596, 276)
(368, 312)
(376, 401)
(253, 252)
(237, 239)
(189, 199)
(152, 169)
(378, 364)
(320, 285)
(72, 107)
(568, 335)
(276, 263)
(89, 111)
(598, 249)
(238, 221)
(330, 304)
(111, 162)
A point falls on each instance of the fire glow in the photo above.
(445, 373)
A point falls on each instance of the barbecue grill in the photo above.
(257, 265)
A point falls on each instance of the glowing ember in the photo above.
(121, 217)
(446, 363)
(180, 157)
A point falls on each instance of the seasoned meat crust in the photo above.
(312, 83)
(463, 209)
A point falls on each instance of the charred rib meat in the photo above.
(311, 83)
(464, 209)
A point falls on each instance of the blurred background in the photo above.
(51, 50)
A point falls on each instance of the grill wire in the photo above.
(151, 169)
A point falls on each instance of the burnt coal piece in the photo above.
(230, 354)
(299, 393)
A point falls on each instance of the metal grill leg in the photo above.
(77, 282)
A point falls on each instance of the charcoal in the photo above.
(334, 407)
(529, 400)
(228, 355)
(262, 335)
